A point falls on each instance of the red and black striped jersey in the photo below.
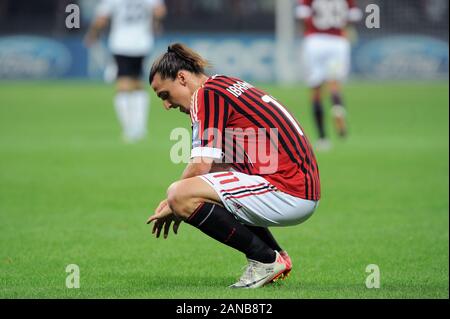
(242, 125)
(327, 16)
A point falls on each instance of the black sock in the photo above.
(218, 223)
(266, 236)
(318, 117)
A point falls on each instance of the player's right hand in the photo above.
(163, 218)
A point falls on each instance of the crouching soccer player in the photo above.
(228, 190)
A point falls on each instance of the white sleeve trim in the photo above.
(215, 153)
(303, 12)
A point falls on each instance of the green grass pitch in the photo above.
(72, 193)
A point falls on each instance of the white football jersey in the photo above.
(131, 31)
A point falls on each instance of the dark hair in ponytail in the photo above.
(178, 57)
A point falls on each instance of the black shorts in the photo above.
(129, 66)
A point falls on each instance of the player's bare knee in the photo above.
(177, 200)
(173, 196)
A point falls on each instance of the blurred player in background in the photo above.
(326, 56)
(131, 39)
(226, 190)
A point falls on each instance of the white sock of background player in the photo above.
(140, 113)
(123, 104)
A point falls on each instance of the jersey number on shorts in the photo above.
(228, 178)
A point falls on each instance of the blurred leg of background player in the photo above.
(338, 108)
(339, 67)
(131, 100)
(315, 67)
(318, 113)
(327, 63)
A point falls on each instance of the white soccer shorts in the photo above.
(325, 57)
(256, 202)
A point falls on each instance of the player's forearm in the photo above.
(197, 168)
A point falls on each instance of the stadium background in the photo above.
(239, 36)
(71, 192)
